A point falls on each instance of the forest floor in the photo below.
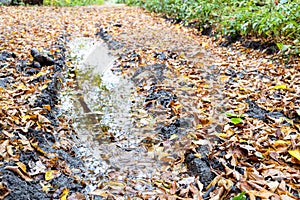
(219, 121)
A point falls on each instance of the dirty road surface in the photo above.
(114, 102)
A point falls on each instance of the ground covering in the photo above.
(243, 104)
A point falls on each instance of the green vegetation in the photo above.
(277, 21)
(73, 2)
(241, 196)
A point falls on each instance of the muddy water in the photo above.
(110, 119)
(103, 112)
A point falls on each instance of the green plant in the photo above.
(73, 2)
(259, 18)
(240, 196)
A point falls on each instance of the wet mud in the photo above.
(268, 47)
(44, 154)
(255, 111)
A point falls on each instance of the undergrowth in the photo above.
(272, 20)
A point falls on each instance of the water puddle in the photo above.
(110, 118)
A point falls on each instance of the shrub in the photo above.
(279, 22)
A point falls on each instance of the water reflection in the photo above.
(104, 108)
(110, 116)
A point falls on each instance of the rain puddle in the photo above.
(110, 118)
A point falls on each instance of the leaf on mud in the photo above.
(295, 153)
(37, 148)
(51, 174)
(23, 167)
(235, 120)
(16, 170)
(64, 194)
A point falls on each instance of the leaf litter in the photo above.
(188, 84)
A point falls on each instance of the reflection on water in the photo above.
(109, 114)
(104, 108)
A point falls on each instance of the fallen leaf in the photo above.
(295, 153)
(64, 194)
(235, 120)
(4, 191)
(17, 170)
(51, 174)
(281, 87)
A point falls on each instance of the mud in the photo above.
(255, 111)
(204, 166)
(268, 47)
(111, 43)
(64, 159)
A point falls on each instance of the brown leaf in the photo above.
(4, 191)
(17, 170)
(76, 196)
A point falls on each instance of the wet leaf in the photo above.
(22, 166)
(51, 174)
(17, 170)
(64, 194)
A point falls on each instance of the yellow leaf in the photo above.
(177, 25)
(281, 87)
(295, 153)
(224, 78)
(281, 143)
(49, 175)
(223, 135)
(289, 121)
(22, 166)
(242, 140)
(46, 188)
(199, 126)
(174, 136)
(44, 86)
(64, 194)
(21, 86)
